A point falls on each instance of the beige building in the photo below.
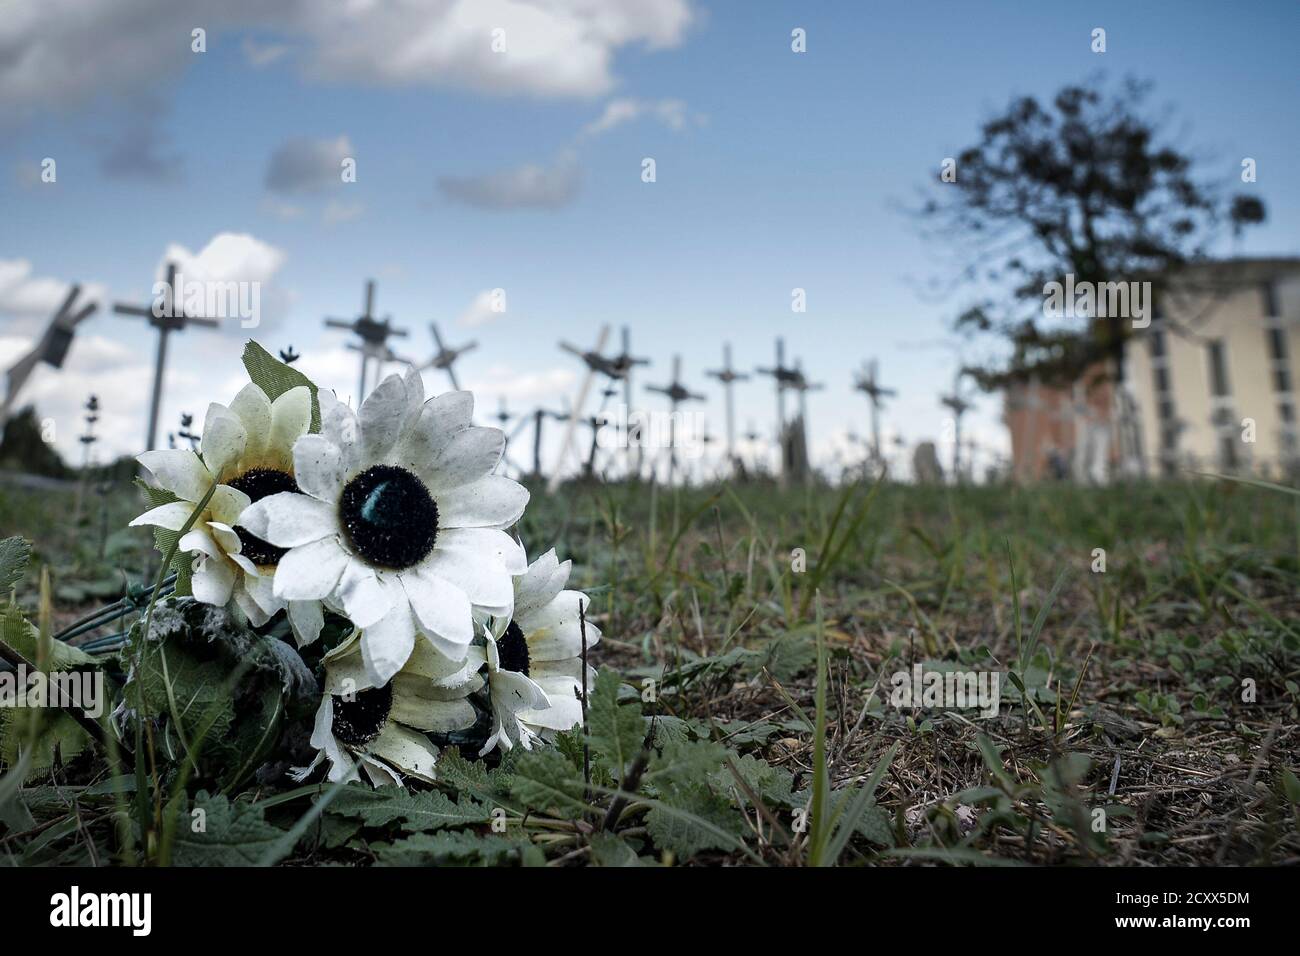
(1211, 383)
(1214, 377)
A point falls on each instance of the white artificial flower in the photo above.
(383, 728)
(538, 651)
(511, 693)
(248, 448)
(401, 525)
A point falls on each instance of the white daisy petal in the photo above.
(225, 536)
(213, 582)
(428, 434)
(363, 597)
(490, 542)
(441, 608)
(382, 417)
(339, 425)
(414, 384)
(255, 614)
(554, 632)
(223, 440)
(180, 472)
(482, 578)
(254, 411)
(493, 501)
(198, 539)
(288, 519)
(379, 774)
(171, 516)
(387, 644)
(435, 716)
(539, 585)
(310, 572)
(227, 504)
(408, 751)
(471, 454)
(430, 665)
(562, 713)
(318, 467)
(323, 728)
(306, 618)
(290, 419)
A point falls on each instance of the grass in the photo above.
(1150, 716)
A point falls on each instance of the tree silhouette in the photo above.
(1086, 184)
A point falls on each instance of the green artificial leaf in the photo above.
(1291, 786)
(547, 780)
(49, 735)
(221, 690)
(473, 777)
(772, 784)
(609, 849)
(430, 810)
(617, 731)
(216, 832)
(686, 762)
(14, 555)
(457, 847)
(694, 817)
(275, 377)
(163, 539)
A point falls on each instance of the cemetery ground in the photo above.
(1147, 713)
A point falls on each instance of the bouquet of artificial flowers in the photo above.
(377, 540)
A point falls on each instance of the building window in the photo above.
(1218, 369)
(1270, 300)
(1277, 343)
(1157, 344)
(1228, 452)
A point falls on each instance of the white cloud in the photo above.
(336, 212)
(261, 55)
(233, 258)
(120, 375)
(25, 297)
(480, 311)
(304, 165)
(61, 53)
(529, 186)
(671, 113)
(552, 47)
(525, 388)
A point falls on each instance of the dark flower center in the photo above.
(389, 516)
(259, 483)
(359, 720)
(512, 649)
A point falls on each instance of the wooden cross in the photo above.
(167, 316)
(446, 357)
(51, 349)
(868, 383)
(374, 335)
(677, 393)
(592, 360)
(727, 375)
(959, 406)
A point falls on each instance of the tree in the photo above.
(23, 447)
(1086, 185)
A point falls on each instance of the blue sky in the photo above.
(786, 171)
